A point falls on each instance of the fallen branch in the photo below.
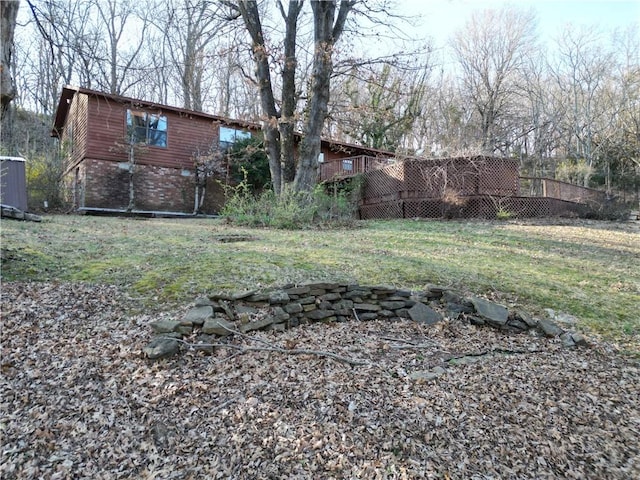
(274, 349)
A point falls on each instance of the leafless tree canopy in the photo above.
(566, 107)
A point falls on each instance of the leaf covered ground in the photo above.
(78, 401)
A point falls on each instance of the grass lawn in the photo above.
(587, 269)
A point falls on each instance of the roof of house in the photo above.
(69, 92)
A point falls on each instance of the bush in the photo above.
(291, 210)
(45, 183)
(248, 162)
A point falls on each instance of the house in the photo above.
(129, 155)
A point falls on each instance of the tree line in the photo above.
(567, 108)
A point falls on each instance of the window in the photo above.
(229, 136)
(146, 128)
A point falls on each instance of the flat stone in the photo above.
(198, 315)
(383, 289)
(456, 308)
(393, 305)
(518, 325)
(161, 348)
(548, 328)
(428, 374)
(330, 297)
(579, 339)
(294, 322)
(526, 318)
(366, 307)
(567, 340)
(451, 297)
(278, 297)
(217, 326)
(343, 304)
(565, 319)
(240, 309)
(319, 314)
(221, 296)
(203, 302)
(298, 290)
(165, 326)
(352, 294)
(423, 314)
(242, 295)
(280, 314)
(257, 325)
(293, 308)
(258, 297)
(494, 314)
(322, 285)
(367, 316)
(184, 329)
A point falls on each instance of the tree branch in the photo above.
(272, 348)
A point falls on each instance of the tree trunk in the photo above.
(251, 16)
(326, 33)
(286, 124)
(8, 15)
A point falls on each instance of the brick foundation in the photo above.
(104, 185)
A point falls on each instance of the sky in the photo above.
(443, 17)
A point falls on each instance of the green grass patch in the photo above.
(588, 269)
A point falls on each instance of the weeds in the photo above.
(291, 209)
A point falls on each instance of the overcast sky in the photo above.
(439, 19)
(442, 17)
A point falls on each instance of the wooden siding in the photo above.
(74, 136)
(186, 135)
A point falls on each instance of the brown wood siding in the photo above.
(74, 137)
(186, 135)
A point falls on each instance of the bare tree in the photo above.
(8, 16)
(582, 75)
(190, 27)
(491, 48)
(381, 110)
(329, 19)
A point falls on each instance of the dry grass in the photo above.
(587, 269)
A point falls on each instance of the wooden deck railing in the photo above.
(549, 188)
(350, 166)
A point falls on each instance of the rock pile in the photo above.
(220, 315)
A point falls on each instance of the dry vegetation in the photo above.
(78, 401)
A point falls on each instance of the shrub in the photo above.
(44, 175)
(291, 209)
(248, 162)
